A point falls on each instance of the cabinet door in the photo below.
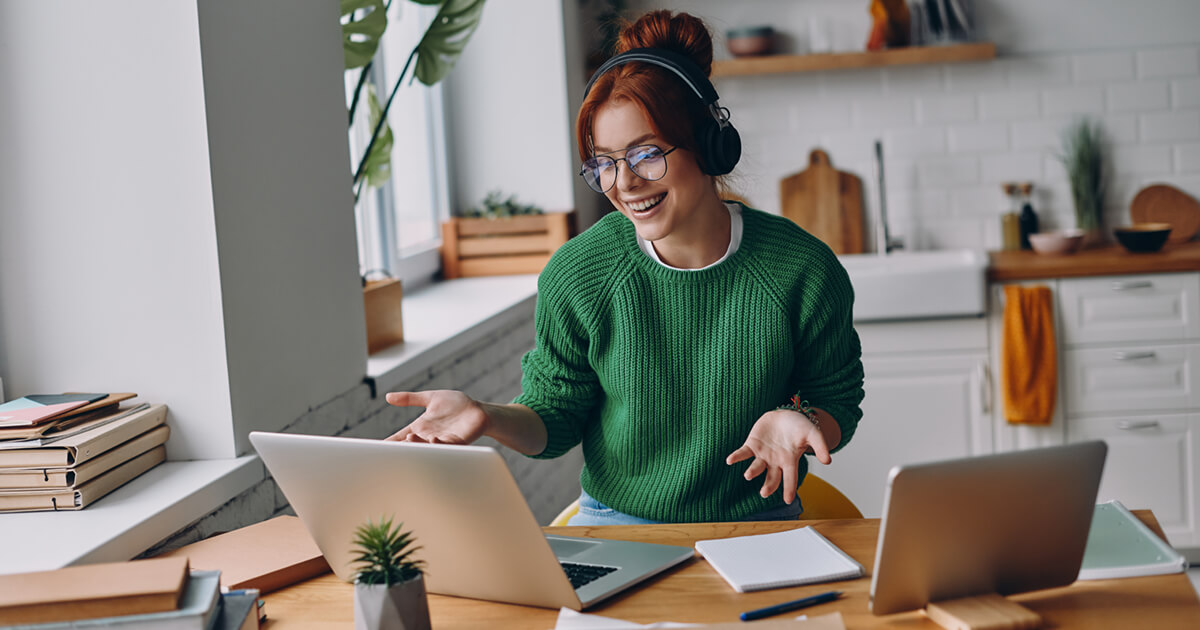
(1158, 307)
(1131, 378)
(1150, 465)
(916, 409)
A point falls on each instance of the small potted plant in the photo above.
(1083, 158)
(389, 588)
(501, 236)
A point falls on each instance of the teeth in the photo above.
(644, 204)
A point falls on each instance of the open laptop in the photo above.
(1006, 523)
(477, 535)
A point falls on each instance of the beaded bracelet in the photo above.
(802, 406)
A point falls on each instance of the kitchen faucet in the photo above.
(884, 244)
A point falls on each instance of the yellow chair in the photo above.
(820, 500)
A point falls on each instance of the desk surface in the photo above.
(694, 592)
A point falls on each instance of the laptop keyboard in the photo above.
(581, 574)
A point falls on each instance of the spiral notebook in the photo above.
(791, 558)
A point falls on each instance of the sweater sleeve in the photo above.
(829, 355)
(557, 381)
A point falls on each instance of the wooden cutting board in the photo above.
(1161, 203)
(826, 202)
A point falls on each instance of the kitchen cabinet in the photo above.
(1129, 374)
(928, 397)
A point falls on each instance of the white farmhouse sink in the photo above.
(917, 285)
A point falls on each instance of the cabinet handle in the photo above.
(1126, 285)
(1123, 355)
(1134, 425)
(985, 387)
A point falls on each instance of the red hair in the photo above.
(670, 106)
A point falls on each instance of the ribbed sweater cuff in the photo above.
(559, 437)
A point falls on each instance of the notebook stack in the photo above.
(64, 451)
(159, 594)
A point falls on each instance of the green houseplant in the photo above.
(364, 23)
(1083, 158)
(389, 586)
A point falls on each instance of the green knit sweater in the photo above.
(661, 373)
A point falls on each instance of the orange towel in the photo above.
(1029, 364)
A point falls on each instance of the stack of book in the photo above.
(64, 451)
(159, 594)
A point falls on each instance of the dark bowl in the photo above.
(1143, 237)
(750, 41)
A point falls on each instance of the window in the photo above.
(399, 222)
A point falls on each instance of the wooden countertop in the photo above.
(1107, 260)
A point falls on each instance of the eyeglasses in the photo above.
(645, 160)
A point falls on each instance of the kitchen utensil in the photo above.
(1162, 203)
(1143, 237)
(1059, 242)
(826, 202)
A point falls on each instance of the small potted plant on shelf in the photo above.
(1083, 158)
(389, 588)
(501, 236)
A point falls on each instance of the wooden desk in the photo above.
(693, 592)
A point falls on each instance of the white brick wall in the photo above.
(953, 133)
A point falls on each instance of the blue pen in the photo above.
(790, 606)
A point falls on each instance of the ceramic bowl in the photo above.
(749, 41)
(1143, 237)
(1061, 242)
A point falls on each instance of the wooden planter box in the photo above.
(498, 247)
(381, 301)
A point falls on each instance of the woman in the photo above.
(682, 335)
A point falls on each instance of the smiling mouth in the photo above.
(645, 204)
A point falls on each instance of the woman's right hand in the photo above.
(451, 417)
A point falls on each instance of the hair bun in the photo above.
(680, 32)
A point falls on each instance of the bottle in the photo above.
(1010, 226)
(1028, 219)
(1010, 230)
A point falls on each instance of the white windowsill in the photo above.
(122, 524)
(439, 320)
(442, 319)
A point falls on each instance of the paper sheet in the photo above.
(571, 620)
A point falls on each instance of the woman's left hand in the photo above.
(777, 442)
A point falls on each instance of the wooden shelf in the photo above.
(778, 64)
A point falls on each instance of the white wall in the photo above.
(508, 103)
(294, 323)
(174, 214)
(952, 133)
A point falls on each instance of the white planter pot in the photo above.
(401, 607)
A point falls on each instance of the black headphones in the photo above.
(720, 146)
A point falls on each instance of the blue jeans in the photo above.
(593, 512)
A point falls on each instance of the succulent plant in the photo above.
(385, 553)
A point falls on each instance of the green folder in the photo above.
(1121, 545)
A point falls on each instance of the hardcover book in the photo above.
(266, 556)
(79, 474)
(80, 446)
(59, 499)
(92, 590)
(199, 608)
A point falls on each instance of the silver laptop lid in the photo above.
(476, 532)
(1005, 523)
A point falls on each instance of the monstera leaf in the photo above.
(435, 55)
(446, 38)
(363, 23)
(377, 168)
